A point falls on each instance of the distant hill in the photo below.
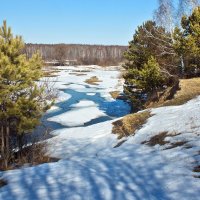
(83, 54)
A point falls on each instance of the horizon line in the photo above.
(83, 44)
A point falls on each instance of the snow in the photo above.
(62, 96)
(91, 94)
(86, 110)
(182, 119)
(90, 166)
(53, 108)
(84, 103)
(76, 87)
(77, 117)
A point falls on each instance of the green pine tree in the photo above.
(21, 103)
(151, 77)
(150, 49)
(187, 43)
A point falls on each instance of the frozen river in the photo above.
(81, 104)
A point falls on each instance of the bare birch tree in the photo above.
(185, 7)
(164, 15)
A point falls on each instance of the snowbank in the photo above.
(91, 168)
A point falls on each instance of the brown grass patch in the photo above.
(3, 183)
(177, 144)
(129, 124)
(81, 74)
(50, 73)
(157, 139)
(160, 139)
(190, 88)
(77, 74)
(32, 155)
(114, 94)
(82, 71)
(197, 169)
(35, 155)
(93, 80)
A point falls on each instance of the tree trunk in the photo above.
(6, 146)
(20, 145)
(2, 144)
(2, 141)
(182, 65)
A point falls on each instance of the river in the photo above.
(81, 104)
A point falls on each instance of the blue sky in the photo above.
(76, 21)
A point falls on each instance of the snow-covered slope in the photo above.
(91, 168)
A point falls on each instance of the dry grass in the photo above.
(129, 124)
(114, 94)
(157, 139)
(93, 80)
(2, 183)
(32, 155)
(189, 89)
(50, 73)
(81, 74)
(160, 140)
(77, 74)
(82, 71)
(178, 144)
(196, 170)
(35, 155)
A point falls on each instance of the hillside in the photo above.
(159, 161)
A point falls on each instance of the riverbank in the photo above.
(95, 164)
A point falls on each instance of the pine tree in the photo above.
(150, 77)
(152, 48)
(20, 102)
(187, 42)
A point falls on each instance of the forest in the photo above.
(82, 54)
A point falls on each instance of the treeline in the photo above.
(162, 53)
(83, 54)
